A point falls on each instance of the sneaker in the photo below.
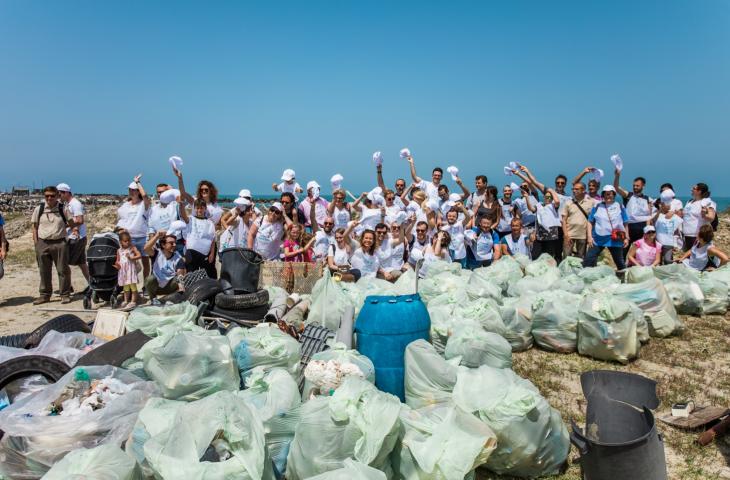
(156, 302)
(41, 300)
(129, 306)
(123, 305)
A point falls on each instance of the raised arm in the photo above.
(465, 191)
(582, 174)
(529, 205)
(404, 195)
(530, 178)
(616, 184)
(142, 193)
(556, 198)
(414, 176)
(149, 247)
(359, 200)
(467, 215)
(185, 197)
(381, 183)
(184, 213)
(313, 216)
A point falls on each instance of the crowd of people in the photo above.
(383, 232)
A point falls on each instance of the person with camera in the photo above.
(607, 228)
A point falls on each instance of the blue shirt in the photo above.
(606, 218)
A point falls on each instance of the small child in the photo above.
(293, 250)
(704, 255)
(126, 263)
(289, 184)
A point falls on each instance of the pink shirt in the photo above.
(302, 257)
(645, 253)
(320, 210)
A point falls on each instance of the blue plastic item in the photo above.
(384, 328)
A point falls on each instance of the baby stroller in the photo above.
(103, 284)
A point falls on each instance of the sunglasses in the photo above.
(204, 190)
(328, 223)
(381, 233)
(50, 196)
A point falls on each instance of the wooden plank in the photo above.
(700, 417)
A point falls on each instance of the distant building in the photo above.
(21, 191)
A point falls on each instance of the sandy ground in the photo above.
(695, 365)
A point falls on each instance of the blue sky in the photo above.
(92, 92)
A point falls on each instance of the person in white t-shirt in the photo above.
(132, 217)
(456, 229)
(698, 211)
(313, 200)
(364, 259)
(200, 239)
(338, 256)
(667, 195)
(206, 191)
(236, 223)
(164, 212)
(668, 225)
(289, 184)
(266, 234)
(390, 250)
(548, 224)
(76, 230)
(430, 187)
(324, 236)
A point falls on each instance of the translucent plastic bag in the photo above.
(329, 302)
(428, 379)
(473, 346)
(570, 265)
(270, 393)
(36, 438)
(441, 442)
(592, 274)
(67, 347)
(683, 287)
(716, 295)
(279, 435)
(532, 440)
(442, 323)
(105, 461)
(541, 266)
(555, 320)
(339, 353)
(607, 328)
(504, 272)
(190, 365)
(358, 421)
(517, 318)
(530, 285)
(154, 321)
(639, 274)
(603, 285)
(479, 286)
(652, 298)
(219, 425)
(570, 283)
(484, 311)
(266, 346)
(351, 470)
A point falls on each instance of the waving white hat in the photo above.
(176, 162)
(597, 174)
(133, 186)
(378, 158)
(169, 196)
(453, 171)
(242, 202)
(508, 170)
(176, 227)
(617, 162)
(514, 165)
(405, 153)
(336, 181)
(667, 195)
(514, 186)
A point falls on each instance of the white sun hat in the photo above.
(288, 175)
(176, 162)
(169, 196)
(63, 187)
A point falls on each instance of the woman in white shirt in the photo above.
(236, 223)
(371, 213)
(668, 225)
(438, 250)
(339, 253)
(133, 215)
(390, 250)
(339, 210)
(456, 229)
(704, 255)
(547, 232)
(199, 239)
(364, 259)
(266, 235)
(699, 211)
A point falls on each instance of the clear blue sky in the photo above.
(92, 92)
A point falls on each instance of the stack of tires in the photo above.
(242, 306)
(241, 299)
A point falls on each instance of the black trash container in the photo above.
(241, 268)
(620, 440)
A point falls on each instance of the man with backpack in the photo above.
(49, 237)
(575, 222)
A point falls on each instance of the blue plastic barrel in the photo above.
(384, 328)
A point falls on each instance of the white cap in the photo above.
(277, 206)
(405, 153)
(175, 162)
(133, 186)
(288, 175)
(649, 228)
(336, 181)
(63, 187)
(176, 227)
(312, 184)
(169, 196)
(608, 188)
(514, 186)
(667, 195)
(453, 171)
(242, 202)
(455, 197)
(246, 193)
(378, 158)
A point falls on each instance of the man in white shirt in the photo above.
(324, 237)
(430, 188)
(477, 197)
(76, 230)
(163, 213)
(320, 205)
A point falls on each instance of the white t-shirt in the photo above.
(506, 218)
(235, 236)
(322, 244)
(369, 217)
(269, 238)
(320, 209)
(160, 217)
(430, 189)
(133, 218)
(366, 263)
(517, 246)
(339, 255)
(215, 212)
(290, 188)
(564, 199)
(416, 245)
(528, 218)
(675, 205)
(665, 228)
(199, 235)
(75, 208)
(693, 215)
(547, 215)
(474, 198)
(390, 257)
(456, 231)
(485, 242)
(165, 268)
(638, 209)
(342, 217)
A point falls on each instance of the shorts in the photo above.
(132, 287)
(76, 251)
(140, 242)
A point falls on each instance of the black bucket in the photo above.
(620, 440)
(241, 268)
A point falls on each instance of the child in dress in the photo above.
(126, 263)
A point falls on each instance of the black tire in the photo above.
(177, 297)
(15, 341)
(25, 366)
(63, 324)
(87, 303)
(115, 352)
(242, 301)
(203, 290)
(255, 313)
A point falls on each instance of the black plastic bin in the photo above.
(241, 268)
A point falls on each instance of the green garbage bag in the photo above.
(532, 440)
(279, 435)
(504, 272)
(329, 302)
(428, 378)
(607, 328)
(442, 324)
(639, 274)
(554, 320)
(358, 421)
(715, 292)
(682, 285)
(722, 274)
(541, 266)
(602, 285)
(441, 442)
(438, 268)
(85, 408)
(154, 321)
(351, 470)
(190, 365)
(479, 286)
(156, 417)
(473, 346)
(484, 311)
(570, 265)
(104, 461)
(271, 392)
(592, 274)
(266, 346)
(517, 318)
(218, 426)
(339, 355)
(570, 283)
(652, 298)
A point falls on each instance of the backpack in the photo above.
(61, 208)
